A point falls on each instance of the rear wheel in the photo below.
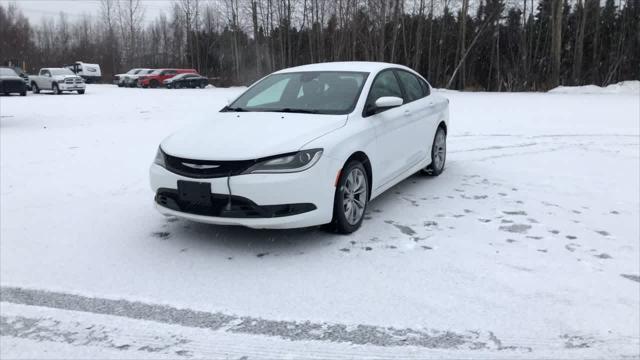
(154, 83)
(438, 153)
(81, 92)
(203, 85)
(24, 93)
(350, 201)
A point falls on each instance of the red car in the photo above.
(156, 78)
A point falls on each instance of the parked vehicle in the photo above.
(186, 81)
(11, 82)
(156, 78)
(89, 72)
(57, 80)
(24, 76)
(119, 79)
(304, 146)
(132, 80)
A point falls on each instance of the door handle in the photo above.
(407, 112)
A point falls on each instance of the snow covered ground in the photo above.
(528, 246)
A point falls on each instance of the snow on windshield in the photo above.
(7, 72)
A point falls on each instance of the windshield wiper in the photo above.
(236, 109)
(290, 110)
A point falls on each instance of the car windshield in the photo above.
(317, 92)
(133, 71)
(7, 72)
(61, 72)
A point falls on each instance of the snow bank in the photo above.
(630, 87)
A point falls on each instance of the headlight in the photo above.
(289, 163)
(159, 160)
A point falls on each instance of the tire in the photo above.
(24, 93)
(35, 88)
(438, 153)
(154, 84)
(203, 85)
(351, 199)
(81, 92)
(120, 84)
(56, 89)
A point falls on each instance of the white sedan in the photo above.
(304, 146)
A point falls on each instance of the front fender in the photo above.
(355, 136)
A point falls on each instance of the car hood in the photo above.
(249, 135)
(11, 77)
(63, 77)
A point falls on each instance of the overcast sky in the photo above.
(35, 10)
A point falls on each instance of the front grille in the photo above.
(233, 206)
(78, 81)
(201, 169)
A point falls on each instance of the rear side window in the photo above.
(414, 89)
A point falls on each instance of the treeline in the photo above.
(462, 44)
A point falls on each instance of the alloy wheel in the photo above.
(354, 196)
(440, 150)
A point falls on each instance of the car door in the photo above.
(393, 127)
(191, 80)
(47, 80)
(422, 111)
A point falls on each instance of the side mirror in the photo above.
(387, 102)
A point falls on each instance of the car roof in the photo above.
(360, 66)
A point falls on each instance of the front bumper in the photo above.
(308, 195)
(12, 86)
(71, 87)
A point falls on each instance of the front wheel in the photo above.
(438, 153)
(35, 88)
(24, 93)
(154, 84)
(350, 201)
(81, 92)
(56, 89)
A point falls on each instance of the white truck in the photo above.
(91, 73)
(57, 80)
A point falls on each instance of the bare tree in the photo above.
(130, 16)
(556, 41)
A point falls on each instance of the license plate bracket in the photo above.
(196, 193)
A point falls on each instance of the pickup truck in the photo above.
(57, 80)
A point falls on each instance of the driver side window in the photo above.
(385, 84)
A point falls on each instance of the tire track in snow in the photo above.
(290, 330)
